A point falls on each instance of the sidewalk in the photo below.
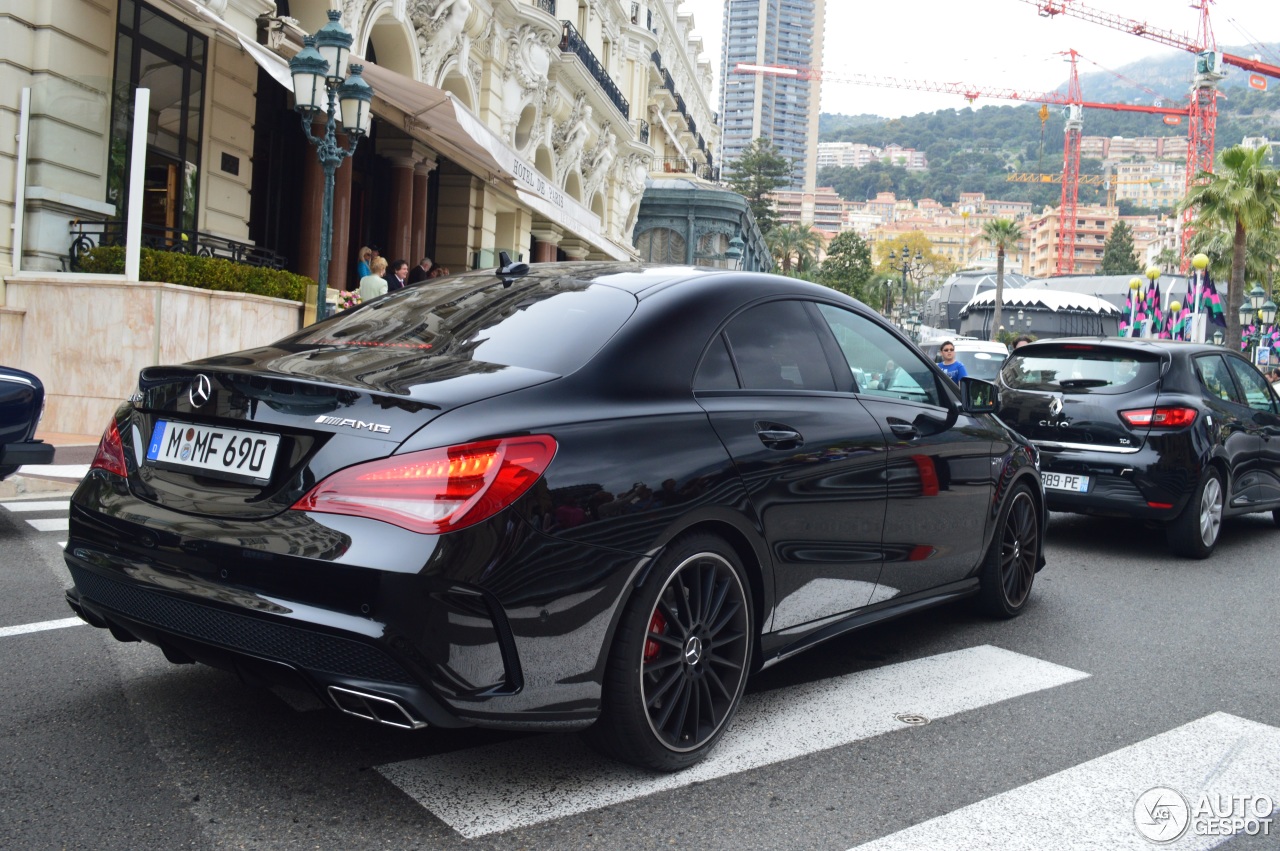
(72, 454)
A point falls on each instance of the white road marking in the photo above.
(480, 791)
(63, 504)
(39, 627)
(1092, 804)
(50, 524)
(60, 471)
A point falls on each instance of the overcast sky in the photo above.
(993, 43)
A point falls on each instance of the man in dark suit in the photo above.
(421, 271)
(398, 275)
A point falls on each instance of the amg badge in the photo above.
(377, 428)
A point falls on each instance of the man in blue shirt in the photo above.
(952, 367)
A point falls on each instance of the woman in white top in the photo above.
(373, 284)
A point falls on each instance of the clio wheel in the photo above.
(1194, 532)
(679, 662)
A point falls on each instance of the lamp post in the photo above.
(888, 297)
(905, 268)
(1261, 307)
(320, 88)
(734, 254)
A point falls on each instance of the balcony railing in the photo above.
(642, 133)
(571, 42)
(548, 6)
(89, 235)
(679, 165)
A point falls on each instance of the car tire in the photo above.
(1275, 516)
(1194, 533)
(1009, 569)
(679, 661)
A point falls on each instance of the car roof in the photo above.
(1149, 344)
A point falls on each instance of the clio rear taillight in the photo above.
(436, 490)
(1171, 417)
(110, 454)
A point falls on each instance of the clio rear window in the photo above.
(548, 324)
(1080, 369)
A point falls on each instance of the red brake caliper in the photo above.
(658, 625)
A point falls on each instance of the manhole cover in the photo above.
(912, 718)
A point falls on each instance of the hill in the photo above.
(971, 150)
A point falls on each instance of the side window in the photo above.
(777, 348)
(1216, 378)
(716, 371)
(1257, 392)
(881, 364)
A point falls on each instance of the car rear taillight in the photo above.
(110, 454)
(436, 490)
(1159, 417)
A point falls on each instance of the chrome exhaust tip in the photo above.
(372, 707)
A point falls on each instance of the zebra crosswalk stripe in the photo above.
(1092, 805)
(501, 787)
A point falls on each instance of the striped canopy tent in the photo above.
(1041, 313)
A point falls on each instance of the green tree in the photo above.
(848, 267)
(1168, 260)
(759, 171)
(1002, 234)
(1242, 197)
(1118, 256)
(794, 245)
(930, 266)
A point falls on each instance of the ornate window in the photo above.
(661, 245)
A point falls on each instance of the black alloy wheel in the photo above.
(1009, 569)
(679, 663)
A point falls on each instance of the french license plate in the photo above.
(226, 453)
(1065, 482)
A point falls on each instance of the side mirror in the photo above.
(978, 396)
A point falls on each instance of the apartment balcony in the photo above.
(548, 6)
(680, 165)
(572, 42)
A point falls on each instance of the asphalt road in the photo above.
(1129, 668)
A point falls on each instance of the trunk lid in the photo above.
(1071, 394)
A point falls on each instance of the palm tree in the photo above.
(1003, 234)
(794, 241)
(1243, 196)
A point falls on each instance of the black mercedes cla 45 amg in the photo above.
(577, 496)
(1180, 434)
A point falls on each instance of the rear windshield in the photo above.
(1080, 370)
(984, 365)
(552, 324)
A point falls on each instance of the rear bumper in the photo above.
(1139, 485)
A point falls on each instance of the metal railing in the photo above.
(88, 235)
(548, 6)
(679, 165)
(642, 133)
(572, 42)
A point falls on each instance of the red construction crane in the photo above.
(1204, 97)
(1072, 101)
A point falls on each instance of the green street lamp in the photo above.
(906, 267)
(319, 87)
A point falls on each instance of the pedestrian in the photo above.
(1021, 340)
(399, 275)
(362, 267)
(420, 272)
(952, 367)
(373, 284)
(438, 271)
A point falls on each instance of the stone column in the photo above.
(400, 223)
(340, 266)
(576, 249)
(548, 237)
(418, 243)
(310, 209)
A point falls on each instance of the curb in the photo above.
(21, 487)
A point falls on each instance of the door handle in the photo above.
(906, 431)
(777, 436)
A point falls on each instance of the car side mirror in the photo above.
(978, 396)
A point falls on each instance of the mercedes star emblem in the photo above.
(201, 391)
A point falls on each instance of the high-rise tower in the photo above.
(782, 109)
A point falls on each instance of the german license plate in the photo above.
(226, 453)
(1065, 482)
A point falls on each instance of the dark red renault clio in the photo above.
(1182, 434)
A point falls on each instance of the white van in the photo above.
(981, 358)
